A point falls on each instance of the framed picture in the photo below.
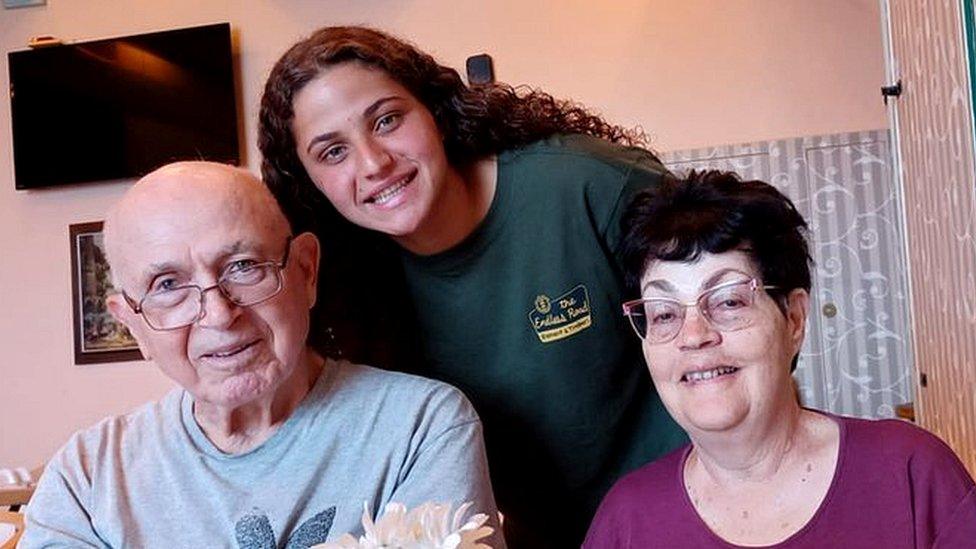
(98, 337)
(22, 3)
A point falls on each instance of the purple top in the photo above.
(895, 485)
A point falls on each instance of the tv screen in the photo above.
(119, 108)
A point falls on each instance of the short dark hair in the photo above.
(716, 212)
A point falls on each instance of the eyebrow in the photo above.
(659, 284)
(367, 113)
(156, 269)
(666, 286)
(712, 280)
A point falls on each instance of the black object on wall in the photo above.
(119, 108)
(480, 69)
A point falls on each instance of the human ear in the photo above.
(797, 309)
(122, 312)
(306, 252)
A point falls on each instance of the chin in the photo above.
(242, 389)
(412, 222)
(394, 224)
(714, 418)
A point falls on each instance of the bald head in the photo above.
(193, 227)
(185, 199)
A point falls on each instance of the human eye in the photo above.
(163, 284)
(166, 291)
(661, 312)
(240, 265)
(388, 122)
(730, 298)
(333, 154)
(244, 271)
(664, 317)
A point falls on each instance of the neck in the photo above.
(754, 451)
(237, 429)
(459, 209)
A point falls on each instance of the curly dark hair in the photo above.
(476, 121)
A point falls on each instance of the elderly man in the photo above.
(266, 443)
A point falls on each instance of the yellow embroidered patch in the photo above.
(559, 318)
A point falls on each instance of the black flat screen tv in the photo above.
(119, 108)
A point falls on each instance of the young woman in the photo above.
(484, 221)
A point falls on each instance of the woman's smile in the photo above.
(705, 375)
(386, 195)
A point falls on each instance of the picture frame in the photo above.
(98, 337)
(11, 4)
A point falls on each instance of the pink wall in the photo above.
(692, 73)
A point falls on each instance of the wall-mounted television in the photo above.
(121, 107)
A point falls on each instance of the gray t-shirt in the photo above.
(151, 478)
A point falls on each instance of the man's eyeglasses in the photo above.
(171, 308)
(727, 307)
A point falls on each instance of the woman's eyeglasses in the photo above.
(727, 307)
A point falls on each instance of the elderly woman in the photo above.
(724, 278)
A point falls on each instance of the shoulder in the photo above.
(367, 387)
(655, 485)
(95, 456)
(579, 175)
(895, 439)
(657, 477)
(574, 152)
(921, 470)
(647, 496)
(902, 448)
(115, 434)
(394, 412)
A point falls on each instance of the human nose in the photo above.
(218, 310)
(375, 159)
(697, 331)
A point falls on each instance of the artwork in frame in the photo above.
(98, 337)
(9, 4)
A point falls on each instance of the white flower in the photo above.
(427, 526)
